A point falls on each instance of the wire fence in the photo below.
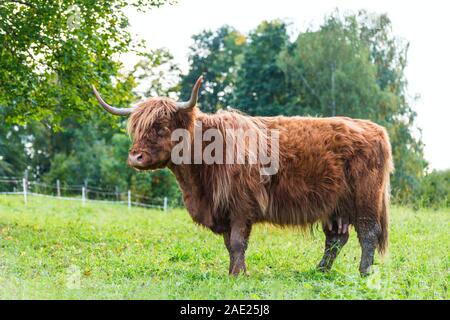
(83, 193)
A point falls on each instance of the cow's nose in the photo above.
(135, 159)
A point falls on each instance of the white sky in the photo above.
(424, 23)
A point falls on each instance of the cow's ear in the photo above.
(191, 103)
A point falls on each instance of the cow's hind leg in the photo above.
(368, 233)
(370, 209)
(336, 236)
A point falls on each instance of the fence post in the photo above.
(129, 199)
(25, 191)
(117, 193)
(86, 187)
(83, 195)
(165, 203)
(58, 188)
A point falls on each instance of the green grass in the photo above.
(54, 249)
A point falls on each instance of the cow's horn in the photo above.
(194, 96)
(111, 109)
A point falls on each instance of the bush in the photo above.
(434, 190)
(153, 186)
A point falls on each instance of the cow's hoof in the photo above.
(365, 272)
(238, 271)
(324, 265)
(323, 269)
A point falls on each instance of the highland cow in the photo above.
(333, 171)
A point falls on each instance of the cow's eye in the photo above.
(163, 131)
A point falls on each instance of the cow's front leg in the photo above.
(238, 241)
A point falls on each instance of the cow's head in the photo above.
(151, 124)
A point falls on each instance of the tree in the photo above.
(157, 74)
(12, 152)
(215, 55)
(260, 84)
(331, 73)
(434, 190)
(52, 50)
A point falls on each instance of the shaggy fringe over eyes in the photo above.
(143, 118)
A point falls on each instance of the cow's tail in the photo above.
(384, 209)
(384, 224)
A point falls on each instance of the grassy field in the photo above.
(54, 249)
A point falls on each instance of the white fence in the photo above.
(22, 186)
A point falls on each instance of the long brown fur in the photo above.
(329, 168)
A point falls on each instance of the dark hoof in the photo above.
(238, 271)
(365, 272)
(323, 267)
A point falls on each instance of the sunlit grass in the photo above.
(54, 249)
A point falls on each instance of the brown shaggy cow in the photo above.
(331, 170)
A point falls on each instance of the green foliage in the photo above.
(157, 71)
(214, 55)
(51, 51)
(12, 155)
(434, 190)
(54, 249)
(156, 185)
(330, 73)
(92, 160)
(260, 84)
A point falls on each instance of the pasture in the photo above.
(54, 249)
